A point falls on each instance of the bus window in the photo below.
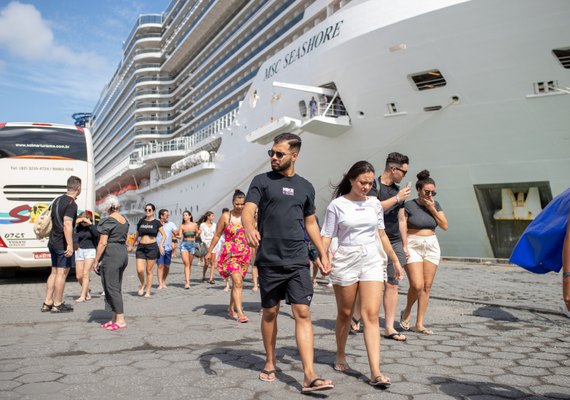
(44, 142)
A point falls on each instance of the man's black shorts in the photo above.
(291, 283)
(147, 251)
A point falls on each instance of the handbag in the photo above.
(201, 249)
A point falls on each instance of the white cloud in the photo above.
(25, 34)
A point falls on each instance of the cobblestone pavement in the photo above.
(499, 333)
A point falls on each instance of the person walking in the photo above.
(113, 258)
(165, 259)
(60, 245)
(235, 256)
(285, 202)
(207, 230)
(147, 248)
(188, 232)
(87, 238)
(356, 219)
(423, 216)
(392, 199)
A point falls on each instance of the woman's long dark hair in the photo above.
(189, 213)
(344, 187)
(204, 217)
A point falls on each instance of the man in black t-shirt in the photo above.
(60, 245)
(285, 203)
(392, 199)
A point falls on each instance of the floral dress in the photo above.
(235, 251)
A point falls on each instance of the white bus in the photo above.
(35, 162)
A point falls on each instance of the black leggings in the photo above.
(112, 281)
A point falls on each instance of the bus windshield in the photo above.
(42, 142)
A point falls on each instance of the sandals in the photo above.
(381, 381)
(62, 308)
(341, 367)
(270, 375)
(243, 319)
(358, 323)
(114, 327)
(313, 387)
(107, 324)
(404, 323)
(46, 307)
(232, 315)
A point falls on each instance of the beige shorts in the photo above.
(423, 248)
(352, 264)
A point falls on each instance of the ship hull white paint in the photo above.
(489, 52)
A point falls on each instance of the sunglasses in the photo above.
(403, 171)
(431, 193)
(148, 209)
(278, 154)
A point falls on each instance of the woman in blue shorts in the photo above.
(188, 232)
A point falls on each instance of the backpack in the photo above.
(42, 226)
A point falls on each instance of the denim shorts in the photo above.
(59, 260)
(188, 246)
(165, 259)
(84, 254)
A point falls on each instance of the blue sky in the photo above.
(57, 55)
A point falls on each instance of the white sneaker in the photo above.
(565, 311)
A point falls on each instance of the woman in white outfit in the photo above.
(358, 265)
(207, 230)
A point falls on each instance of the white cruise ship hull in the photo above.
(493, 130)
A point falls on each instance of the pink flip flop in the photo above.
(107, 324)
(114, 327)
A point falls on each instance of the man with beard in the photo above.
(285, 203)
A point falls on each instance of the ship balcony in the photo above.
(142, 54)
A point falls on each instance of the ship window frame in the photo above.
(427, 80)
(566, 55)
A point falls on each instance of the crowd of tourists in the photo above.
(369, 236)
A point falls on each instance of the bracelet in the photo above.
(565, 274)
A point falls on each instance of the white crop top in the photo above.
(353, 222)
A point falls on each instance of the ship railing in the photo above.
(153, 105)
(148, 50)
(327, 107)
(153, 78)
(152, 91)
(184, 144)
(143, 20)
(144, 118)
(148, 65)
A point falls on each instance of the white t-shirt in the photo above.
(207, 233)
(168, 227)
(353, 222)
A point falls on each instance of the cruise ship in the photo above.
(475, 91)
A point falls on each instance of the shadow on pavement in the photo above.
(496, 313)
(460, 389)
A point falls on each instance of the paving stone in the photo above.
(37, 389)
(39, 377)
(482, 370)
(558, 380)
(557, 392)
(8, 385)
(516, 380)
(81, 378)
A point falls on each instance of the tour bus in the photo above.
(35, 161)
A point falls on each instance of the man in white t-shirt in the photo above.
(164, 260)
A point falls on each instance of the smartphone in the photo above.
(409, 184)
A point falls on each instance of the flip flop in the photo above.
(392, 336)
(243, 320)
(424, 331)
(341, 367)
(107, 324)
(380, 380)
(313, 387)
(404, 323)
(356, 322)
(114, 327)
(268, 374)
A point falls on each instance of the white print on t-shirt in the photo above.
(289, 191)
(147, 226)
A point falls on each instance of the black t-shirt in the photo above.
(283, 202)
(87, 236)
(148, 228)
(391, 223)
(63, 206)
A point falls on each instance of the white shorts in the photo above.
(351, 264)
(84, 254)
(423, 248)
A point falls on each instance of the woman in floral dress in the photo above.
(235, 256)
